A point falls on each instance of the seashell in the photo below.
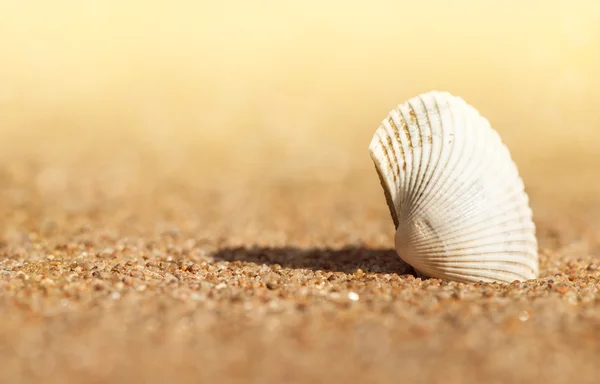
(455, 195)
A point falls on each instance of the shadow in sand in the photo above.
(346, 260)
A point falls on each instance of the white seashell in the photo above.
(457, 200)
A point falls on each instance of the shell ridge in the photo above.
(417, 150)
(477, 273)
(474, 170)
(378, 151)
(425, 176)
(494, 267)
(388, 129)
(521, 222)
(494, 271)
(475, 277)
(377, 145)
(439, 195)
(393, 161)
(445, 156)
(402, 155)
(436, 142)
(458, 242)
(491, 256)
(472, 212)
(406, 141)
(467, 250)
(404, 152)
(388, 159)
(511, 198)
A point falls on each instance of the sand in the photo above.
(140, 276)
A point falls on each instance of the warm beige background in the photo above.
(309, 81)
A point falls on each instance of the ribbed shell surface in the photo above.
(455, 195)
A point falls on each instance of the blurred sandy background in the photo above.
(306, 82)
(147, 146)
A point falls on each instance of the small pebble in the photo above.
(220, 286)
(353, 296)
(524, 316)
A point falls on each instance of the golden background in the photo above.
(213, 87)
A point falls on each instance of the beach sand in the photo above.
(131, 278)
